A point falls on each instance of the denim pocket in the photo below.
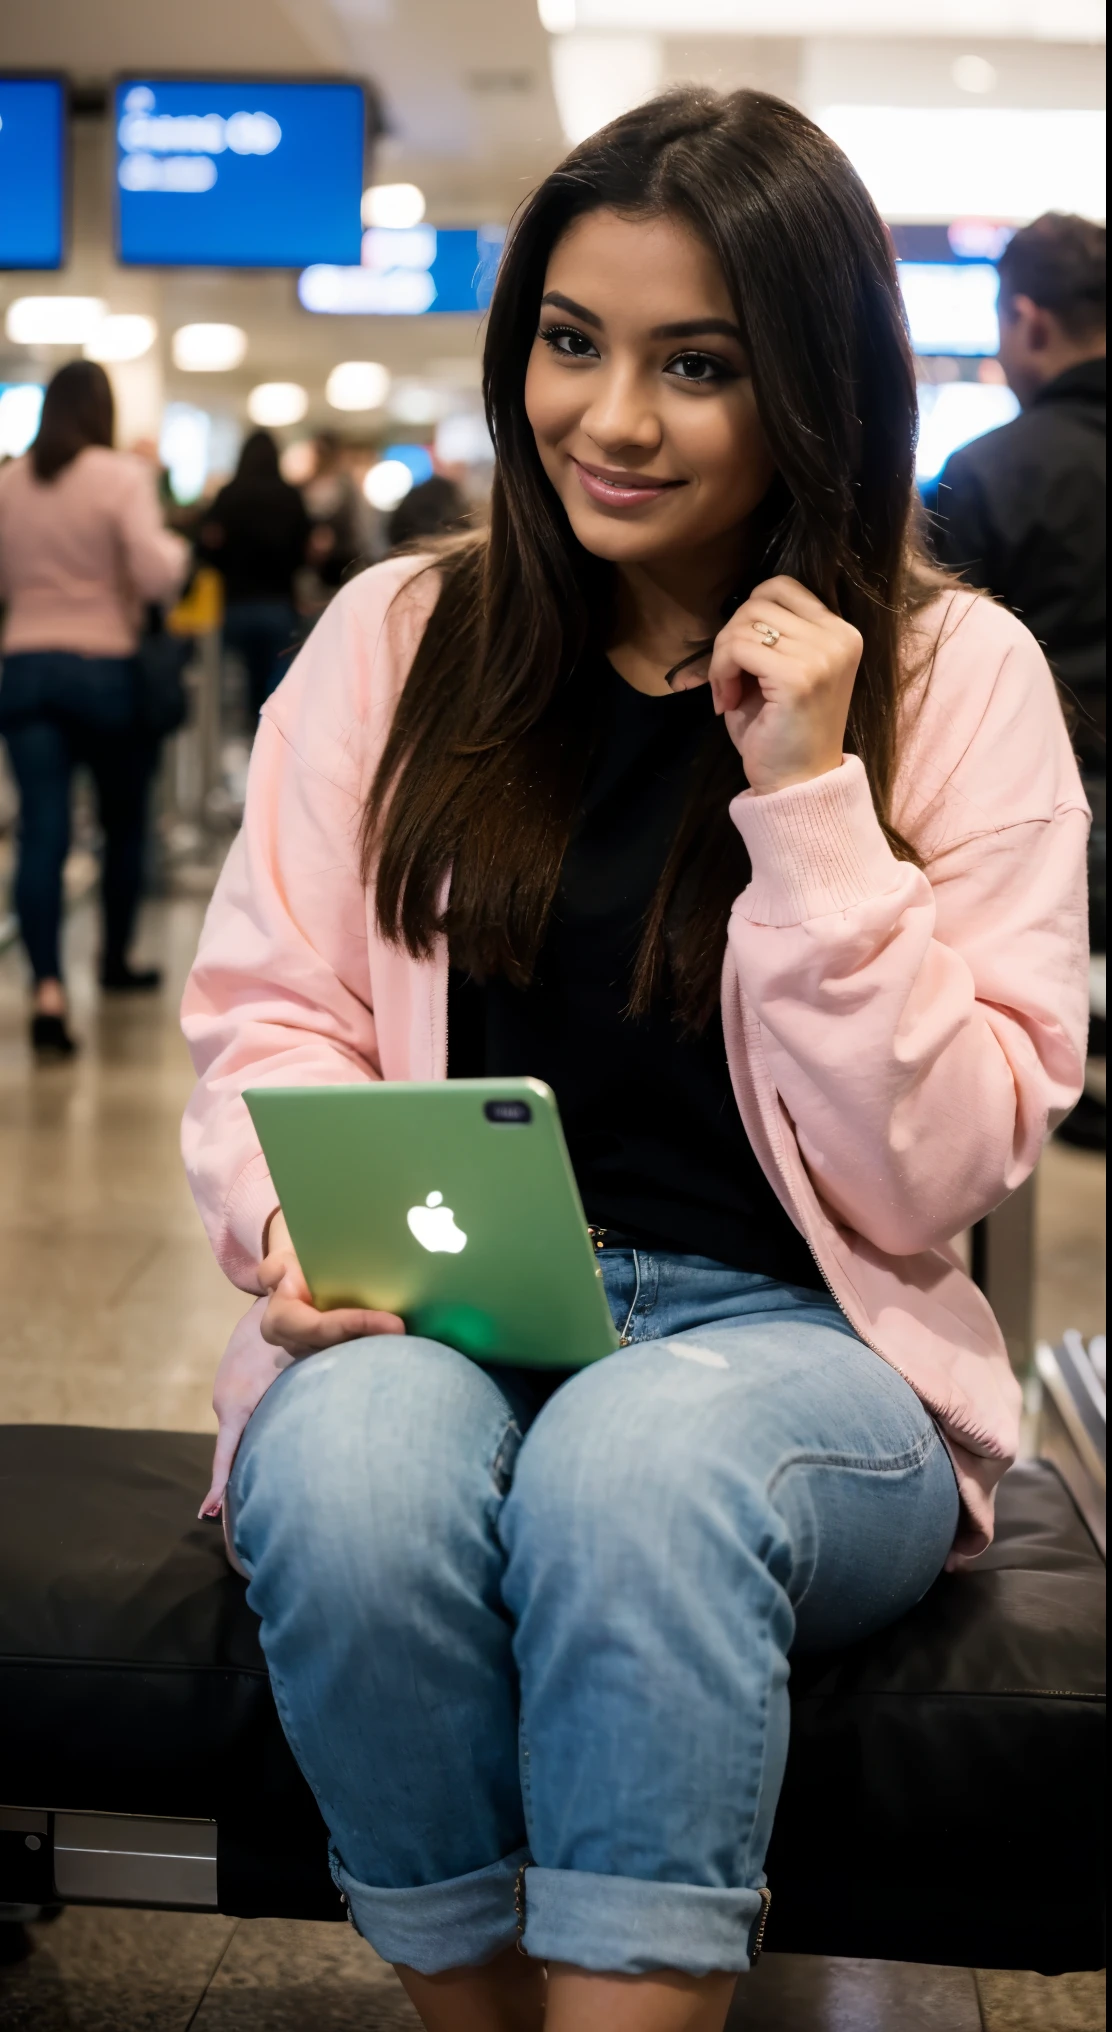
(95, 691)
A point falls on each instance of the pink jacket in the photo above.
(900, 1040)
(79, 554)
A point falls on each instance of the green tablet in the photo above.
(452, 1203)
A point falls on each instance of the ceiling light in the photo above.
(992, 162)
(208, 349)
(276, 403)
(393, 204)
(121, 336)
(357, 384)
(366, 292)
(1043, 20)
(596, 77)
(387, 483)
(53, 320)
(973, 74)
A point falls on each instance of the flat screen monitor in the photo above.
(953, 415)
(951, 306)
(32, 172)
(407, 271)
(238, 174)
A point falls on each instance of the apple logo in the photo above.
(434, 1226)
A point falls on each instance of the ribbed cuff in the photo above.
(249, 1206)
(816, 847)
(627, 1926)
(460, 1923)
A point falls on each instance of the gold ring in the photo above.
(769, 636)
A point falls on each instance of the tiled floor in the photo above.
(113, 1305)
(107, 1971)
(113, 1314)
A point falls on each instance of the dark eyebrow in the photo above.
(576, 309)
(693, 328)
(696, 328)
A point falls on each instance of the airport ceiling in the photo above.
(464, 83)
(469, 115)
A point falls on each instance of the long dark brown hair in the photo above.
(484, 762)
(77, 411)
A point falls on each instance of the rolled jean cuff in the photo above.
(459, 1923)
(626, 1926)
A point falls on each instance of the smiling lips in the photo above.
(615, 489)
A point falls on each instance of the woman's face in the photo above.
(639, 394)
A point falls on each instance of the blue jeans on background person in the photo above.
(264, 634)
(59, 711)
(524, 1618)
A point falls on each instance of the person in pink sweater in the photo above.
(82, 548)
(691, 788)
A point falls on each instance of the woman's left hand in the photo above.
(782, 671)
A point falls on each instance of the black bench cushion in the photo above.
(943, 1794)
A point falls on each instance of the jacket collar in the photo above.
(1085, 383)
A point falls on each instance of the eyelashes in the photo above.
(719, 371)
(713, 371)
(552, 333)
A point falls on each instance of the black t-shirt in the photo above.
(264, 531)
(649, 1113)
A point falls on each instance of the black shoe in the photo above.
(122, 979)
(50, 1038)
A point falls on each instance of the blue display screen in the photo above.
(951, 306)
(32, 172)
(405, 272)
(240, 175)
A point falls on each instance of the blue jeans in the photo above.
(264, 633)
(516, 1620)
(58, 711)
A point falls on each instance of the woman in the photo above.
(344, 529)
(82, 549)
(801, 952)
(255, 534)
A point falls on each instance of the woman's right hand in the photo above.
(286, 1319)
(290, 1319)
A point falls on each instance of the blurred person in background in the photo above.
(434, 508)
(1022, 511)
(693, 788)
(82, 549)
(256, 534)
(146, 448)
(342, 536)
